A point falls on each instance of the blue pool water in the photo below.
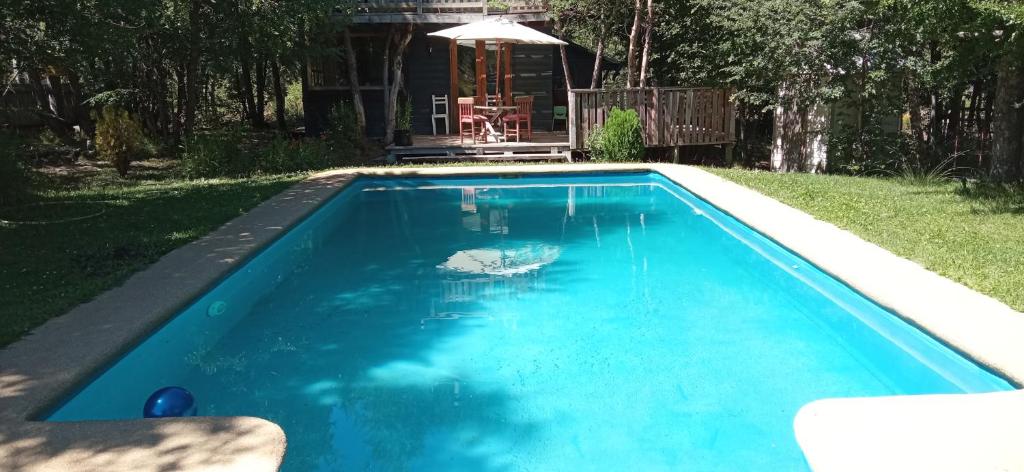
(600, 322)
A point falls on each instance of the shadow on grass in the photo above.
(46, 269)
(994, 198)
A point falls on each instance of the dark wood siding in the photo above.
(317, 105)
(426, 74)
(531, 75)
(534, 71)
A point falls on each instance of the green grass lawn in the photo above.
(974, 236)
(46, 269)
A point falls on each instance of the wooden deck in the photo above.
(545, 145)
(447, 11)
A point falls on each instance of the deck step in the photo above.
(545, 157)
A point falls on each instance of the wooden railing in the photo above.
(452, 6)
(670, 116)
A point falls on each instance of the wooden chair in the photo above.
(439, 101)
(524, 114)
(468, 117)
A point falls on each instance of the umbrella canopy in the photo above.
(497, 29)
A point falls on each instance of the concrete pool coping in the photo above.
(65, 352)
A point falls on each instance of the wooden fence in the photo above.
(670, 116)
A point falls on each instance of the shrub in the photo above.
(404, 118)
(215, 155)
(293, 102)
(872, 151)
(343, 130)
(620, 139)
(283, 155)
(119, 137)
(15, 174)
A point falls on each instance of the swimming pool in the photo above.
(549, 323)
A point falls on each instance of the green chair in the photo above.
(560, 113)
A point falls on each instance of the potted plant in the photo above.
(403, 124)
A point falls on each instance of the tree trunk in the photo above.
(386, 73)
(261, 90)
(46, 108)
(396, 72)
(353, 81)
(565, 58)
(80, 114)
(179, 109)
(275, 74)
(648, 29)
(954, 116)
(634, 36)
(985, 124)
(914, 106)
(1008, 119)
(192, 68)
(245, 87)
(595, 76)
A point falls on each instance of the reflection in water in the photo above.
(501, 261)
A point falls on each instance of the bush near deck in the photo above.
(973, 235)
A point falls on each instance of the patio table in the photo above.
(494, 114)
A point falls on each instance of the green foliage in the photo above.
(119, 138)
(207, 155)
(620, 139)
(496, 5)
(293, 102)
(120, 98)
(404, 118)
(343, 130)
(15, 174)
(867, 151)
(286, 156)
(227, 154)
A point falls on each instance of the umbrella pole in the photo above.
(508, 73)
(497, 74)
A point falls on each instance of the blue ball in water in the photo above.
(170, 402)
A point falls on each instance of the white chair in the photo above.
(443, 102)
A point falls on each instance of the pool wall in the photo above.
(60, 356)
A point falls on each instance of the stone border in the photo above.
(62, 354)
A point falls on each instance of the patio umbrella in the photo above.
(500, 31)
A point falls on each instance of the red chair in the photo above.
(523, 114)
(468, 117)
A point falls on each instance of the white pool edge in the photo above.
(45, 365)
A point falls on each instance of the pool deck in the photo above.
(927, 432)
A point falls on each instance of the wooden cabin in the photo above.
(429, 71)
(434, 66)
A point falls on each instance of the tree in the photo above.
(353, 81)
(634, 36)
(593, 23)
(1008, 103)
(401, 41)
